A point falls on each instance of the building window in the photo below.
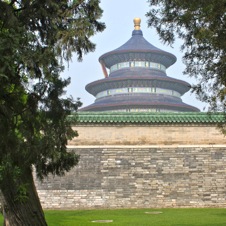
(139, 63)
(146, 64)
(143, 90)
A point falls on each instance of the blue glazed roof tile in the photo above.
(137, 43)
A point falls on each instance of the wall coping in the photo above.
(144, 146)
(87, 118)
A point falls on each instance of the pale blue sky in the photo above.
(118, 16)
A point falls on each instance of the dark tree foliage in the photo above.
(36, 36)
(201, 24)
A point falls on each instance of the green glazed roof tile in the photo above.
(147, 118)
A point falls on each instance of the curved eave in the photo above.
(137, 81)
(160, 105)
(117, 56)
(193, 118)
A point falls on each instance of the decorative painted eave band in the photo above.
(85, 118)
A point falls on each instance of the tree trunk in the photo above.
(27, 212)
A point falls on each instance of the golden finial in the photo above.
(137, 23)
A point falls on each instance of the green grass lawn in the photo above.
(138, 217)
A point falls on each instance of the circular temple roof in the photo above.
(137, 49)
(137, 44)
(134, 103)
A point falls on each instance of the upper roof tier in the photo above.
(137, 44)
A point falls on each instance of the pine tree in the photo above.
(35, 38)
(202, 27)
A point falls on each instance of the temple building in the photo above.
(173, 158)
(137, 80)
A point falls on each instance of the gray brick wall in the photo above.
(128, 177)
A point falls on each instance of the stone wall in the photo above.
(185, 134)
(140, 176)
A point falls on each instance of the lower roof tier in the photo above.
(138, 102)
